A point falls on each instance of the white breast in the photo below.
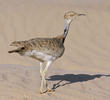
(39, 55)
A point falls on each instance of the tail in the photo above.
(12, 51)
(17, 50)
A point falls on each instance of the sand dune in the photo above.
(83, 71)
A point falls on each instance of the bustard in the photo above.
(46, 50)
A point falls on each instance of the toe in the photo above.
(50, 90)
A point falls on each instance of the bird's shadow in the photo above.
(72, 78)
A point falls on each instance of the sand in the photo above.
(82, 73)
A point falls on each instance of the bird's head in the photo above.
(70, 15)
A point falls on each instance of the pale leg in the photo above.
(41, 72)
(44, 75)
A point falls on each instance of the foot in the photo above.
(41, 92)
(50, 90)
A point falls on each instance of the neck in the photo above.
(66, 29)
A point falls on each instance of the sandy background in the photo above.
(82, 73)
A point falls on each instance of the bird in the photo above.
(45, 50)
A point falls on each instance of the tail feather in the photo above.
(16, 50)
(12, 51)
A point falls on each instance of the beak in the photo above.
(81, 14)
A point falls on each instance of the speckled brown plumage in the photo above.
(49, 46)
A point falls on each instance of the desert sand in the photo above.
(82, 73)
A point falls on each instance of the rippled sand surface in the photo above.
(82, 73)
